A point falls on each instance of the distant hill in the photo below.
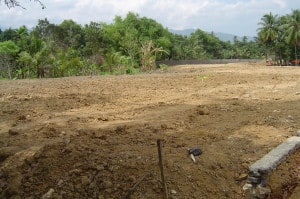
(222, 36)
(185, 32)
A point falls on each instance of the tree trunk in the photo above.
(28, 71)
(9, 71)
(296, 57)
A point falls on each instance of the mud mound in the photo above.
(84, 168)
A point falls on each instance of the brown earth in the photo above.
(95, 137)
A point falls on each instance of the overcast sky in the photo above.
(238, 17)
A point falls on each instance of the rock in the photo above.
(203, 111)
(93, 185)
(253, 180)
(85, 180)
(4, 154)
(298, 133)
(164, 126)
(75, 171)
(264, 190)
(242, 177)
(107, 184)
(132, 179)
(108, 191)
(22, 117)
(100, 167)
(66, 140)
(48, 194)
(100, 136)
(101, 197)
(60, 182)
(245, 165)
(14, 131)
(247, 186)
(156, 188)
(103, 118)
(173, 191)
(121, 129)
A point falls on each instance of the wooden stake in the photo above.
(159, 149)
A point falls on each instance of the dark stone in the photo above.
(13, 131)
(253, 180)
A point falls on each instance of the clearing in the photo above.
(95, 137)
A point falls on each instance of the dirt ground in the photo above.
(95, 137)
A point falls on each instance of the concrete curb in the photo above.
(275, 157)
(256, 185)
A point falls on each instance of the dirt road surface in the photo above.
(95, 137)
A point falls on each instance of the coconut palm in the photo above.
(268, 31)
(293, 30)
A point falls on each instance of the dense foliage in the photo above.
(127, 45)
(280, 36)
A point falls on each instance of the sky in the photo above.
(238, 17)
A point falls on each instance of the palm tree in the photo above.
(293, 30)
(281, 48)
(268, 31)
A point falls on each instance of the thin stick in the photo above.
(132, 189)
(162, 169)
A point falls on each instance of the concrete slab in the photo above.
(274, 157)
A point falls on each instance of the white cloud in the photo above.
(280, 3)
(232, 16)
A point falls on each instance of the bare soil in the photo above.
(95, 137)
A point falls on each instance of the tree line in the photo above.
(280, 36)
(127, 45)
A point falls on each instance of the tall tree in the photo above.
(268, 31)
(94, 47)
(43, 29)
(8, 49)
(26, 61)
(148, 55)
(293, 30)
(10, 34)
(93, 37)
(73, 35)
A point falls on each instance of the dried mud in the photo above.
(95, 137)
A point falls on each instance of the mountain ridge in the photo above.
(222, 36)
